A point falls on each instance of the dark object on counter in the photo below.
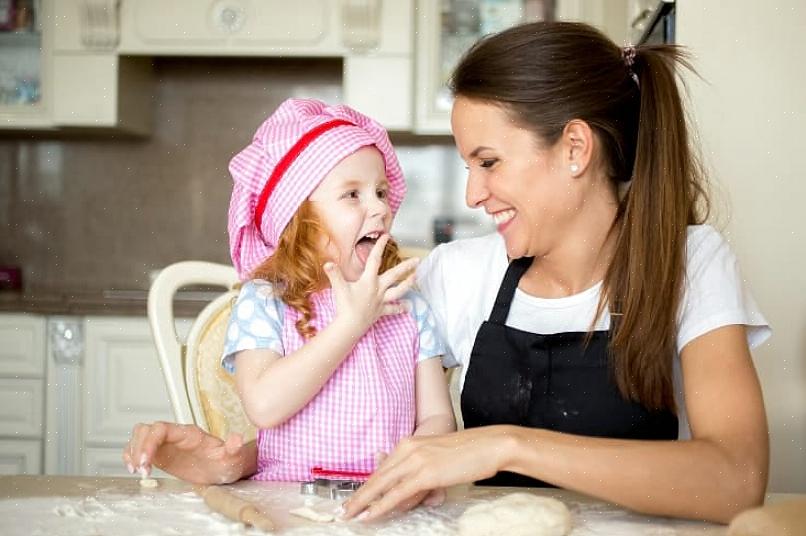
(10, 278)
(443, 230)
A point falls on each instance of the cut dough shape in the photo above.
(516, 514)
(306, 512)
(149, 483)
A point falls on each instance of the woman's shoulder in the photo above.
(705, 246)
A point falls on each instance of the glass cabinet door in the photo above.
(22, 63)
(445, 30)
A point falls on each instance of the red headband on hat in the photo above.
(287, 160)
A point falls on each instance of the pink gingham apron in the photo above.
(366, 407)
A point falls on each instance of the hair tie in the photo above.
(628, 54)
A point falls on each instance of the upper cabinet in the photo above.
(446, 29)
(25, 94)
(374, 37)
(62, 70)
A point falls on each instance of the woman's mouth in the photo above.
(502, 218)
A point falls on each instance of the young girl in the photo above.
(332, 351)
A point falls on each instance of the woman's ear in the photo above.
(577, 140)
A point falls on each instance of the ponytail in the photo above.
(645, 280)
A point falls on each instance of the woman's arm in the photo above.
(188, 452)
(719, 472)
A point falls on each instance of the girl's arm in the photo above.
(273, 389)
(434, 409)
(719, 472)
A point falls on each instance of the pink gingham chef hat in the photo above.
(290, 154)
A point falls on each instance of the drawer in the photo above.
(20, 457)
(21, 407)
(22, 345)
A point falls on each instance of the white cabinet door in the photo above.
(123, 382)
(22, 370)
(20, 457)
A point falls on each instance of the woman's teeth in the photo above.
(503, 216)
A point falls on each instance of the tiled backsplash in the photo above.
(100, 212)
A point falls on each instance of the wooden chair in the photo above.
(200, 390)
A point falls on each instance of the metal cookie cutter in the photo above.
(337, 485)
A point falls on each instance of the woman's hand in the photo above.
(361, 303)
(188, 452)
(421, 464)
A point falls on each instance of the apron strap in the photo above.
(506, 291)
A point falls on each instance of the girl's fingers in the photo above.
(333, 274)
(233, 444)
(393, 308)
(399, 290)
(398, 273)
(376, 255)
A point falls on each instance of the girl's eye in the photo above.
(383, 194)
(488, 163)
(352, 194)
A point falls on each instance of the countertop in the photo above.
(60, 505)
(98, 302)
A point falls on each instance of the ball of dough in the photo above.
(516, 514)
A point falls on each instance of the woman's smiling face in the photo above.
(524, 187)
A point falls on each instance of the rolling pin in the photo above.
(786, 518)
(218, 499)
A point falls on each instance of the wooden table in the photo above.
(61, 505)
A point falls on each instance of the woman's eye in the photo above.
(488, 163)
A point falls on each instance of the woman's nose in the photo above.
(476, 191)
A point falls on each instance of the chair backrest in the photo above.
(201, 392)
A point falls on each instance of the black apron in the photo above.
(554, 382)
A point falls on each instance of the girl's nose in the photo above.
(476, 191)
(379, 207)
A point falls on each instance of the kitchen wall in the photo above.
(101, 212)
(750, 108)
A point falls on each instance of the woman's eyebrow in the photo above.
(479, 149)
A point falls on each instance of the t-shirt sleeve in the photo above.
(431, 342)
(715, 293)
(431, 285)
(256, 321)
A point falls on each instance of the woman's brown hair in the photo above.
(546, 74)
(295, 270)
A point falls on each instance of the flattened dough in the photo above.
(307, 512)
(149, 483)
(516, 514)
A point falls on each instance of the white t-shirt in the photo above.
(461, 279)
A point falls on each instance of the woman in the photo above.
(616, 300)
(611, 356)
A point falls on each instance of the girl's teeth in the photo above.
(503, 216)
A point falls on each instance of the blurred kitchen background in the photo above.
(118, 119)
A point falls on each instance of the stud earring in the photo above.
(574, 168)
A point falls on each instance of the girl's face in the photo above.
(352, 204)
(526, 189)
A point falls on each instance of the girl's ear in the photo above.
(577, 146)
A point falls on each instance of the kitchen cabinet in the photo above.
(77, 79)
(445, 30)
(72, 388)
(22, 393)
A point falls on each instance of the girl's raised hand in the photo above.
(362, 302)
